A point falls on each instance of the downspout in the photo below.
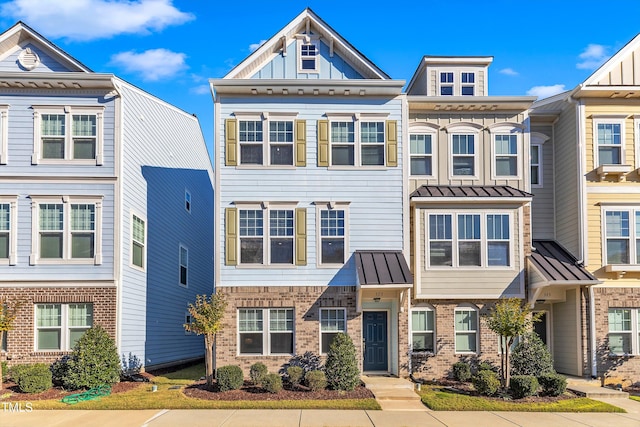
(592, 334)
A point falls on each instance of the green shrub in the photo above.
(272, 383)
(316, 380)
(486, 383)
(341, 367)
(15, 371)
(309, 361)
(257, 373)
(229, 378)
(531, 357)
(93, 362)
(486, 366)
(59, 370)
(461, 371)
(553, 384)
(523, 386)
(5, 370)
(34, 378)
(295, 374)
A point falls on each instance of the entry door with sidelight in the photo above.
(374, 325)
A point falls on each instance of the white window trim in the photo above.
(4, 134)
(457, 80)
(425, 129)
(474, 84)
(12, 201)
(636, 136)
(266, 118)
(266, 332)
(181, 246)
(64, 326)
(632, 234)
(66, 201)
(304, 39)
(635, 339)
(446, 84)
(537, 138)
(68, 111)
(357, 119)
(472, 308)
(266, 208)
(507, 129)
(320, 206)
(430, 308)
(484, 240)
(346, 326)
(620, 120)
(144, 244)
(540, 163)
(464, 128)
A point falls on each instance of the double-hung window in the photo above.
(372, 143)
(138, 242)
(505, 155)
(309, 53)
(480, 240)
(183, 256)
(68, 134)
(467, 83)
(421, 154)
(281, 142)
(265, 139)
(66, 229)
(60, 326)
(609, 138)
(332, 322)
(251, 141)
(342, 139)
(446, 83)
(8, 230)
(272, 244)
(536, 165)
(423, 329)
(333, 227)
(466, 329)
(463, 155)
(359, 139)
(624, 331)
(265, 331)
(622, 234)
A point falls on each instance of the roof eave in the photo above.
(279, 87)
(483, 103)
(62, 80)
(470, 199)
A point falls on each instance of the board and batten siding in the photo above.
(479, 282)
(374, 195)
(163, 154)
(566, 348)
(542, 206)
(10, 63)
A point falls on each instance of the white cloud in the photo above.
(593, 56)
(200, 90)
(95, 19)
(254, 46)
(154, 64)
(545, 91)
(509, 72)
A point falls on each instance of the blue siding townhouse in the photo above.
(105, 198)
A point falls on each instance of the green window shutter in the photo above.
(231, 236)
(392, 142)
(301, 236)
(323, 143)
(231, 142)
(301, 143)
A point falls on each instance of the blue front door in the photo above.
(374, 325)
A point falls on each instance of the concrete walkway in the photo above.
(394, 394)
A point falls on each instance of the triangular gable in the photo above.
(351, 61)
(23, 49)
(622, 69)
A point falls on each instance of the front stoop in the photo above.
(394, 394)
(593, 390)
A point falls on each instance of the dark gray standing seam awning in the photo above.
(382, 268)
(558, 265)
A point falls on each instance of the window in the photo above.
(281, 142)
(267, 139)
(332, 236)
(463, 155)
(279, 235)
(184, 265)
(265, 331)
(421, 154)
(506, 155)
(536, 165)
(8, 233)
(359, 139)
(622, 234)
(446, 83)
(308, 57)
(372, 143)
(342, 143)
(68, 133)
(60, 326)
(332, 322)
(138, 242)
(609, 139)
(624, 331)
(467, 87)
(423, 330)
(67, 229)
(251, 140)
(466, 329)
(481, 240)
(187, 201)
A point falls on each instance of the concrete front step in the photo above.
(395, 394)
(598, 392)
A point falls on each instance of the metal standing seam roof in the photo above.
(469, 191)
(382, 268)
(557, 264)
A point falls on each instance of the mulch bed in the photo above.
(56, 393)
(199, 390)
(633, 390)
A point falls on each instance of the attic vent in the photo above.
(28, 59)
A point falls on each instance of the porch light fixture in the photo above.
(376, 299)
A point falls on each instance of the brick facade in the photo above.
(614, 369)
(21, 339)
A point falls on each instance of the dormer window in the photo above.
(467, 84)
(308, 56)
(446, 83)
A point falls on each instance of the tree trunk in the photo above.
(1, 373)
(208, 359)
(502, 364)
(507, 374)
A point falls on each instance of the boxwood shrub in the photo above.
(461, 371)
(523, 386)
(272, 383)
(229, 378)
(316, 380)
(257, 373)
(553, 384)
(295, 375)
(34, 378)
(486, 383)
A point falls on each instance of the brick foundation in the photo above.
(21, 339)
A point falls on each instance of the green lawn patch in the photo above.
(636, 398)
(443, 400)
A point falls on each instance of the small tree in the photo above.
(94, 361)
(8, 314)
(509, 318)
(206, 319)
(342, 367)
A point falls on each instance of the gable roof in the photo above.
(306, 20)
(21, 34)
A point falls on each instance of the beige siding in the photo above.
(626, 72)
(543, 208)
(433, 83)
(565, 335)
(480, 83)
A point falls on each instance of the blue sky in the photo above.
(171, 48)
